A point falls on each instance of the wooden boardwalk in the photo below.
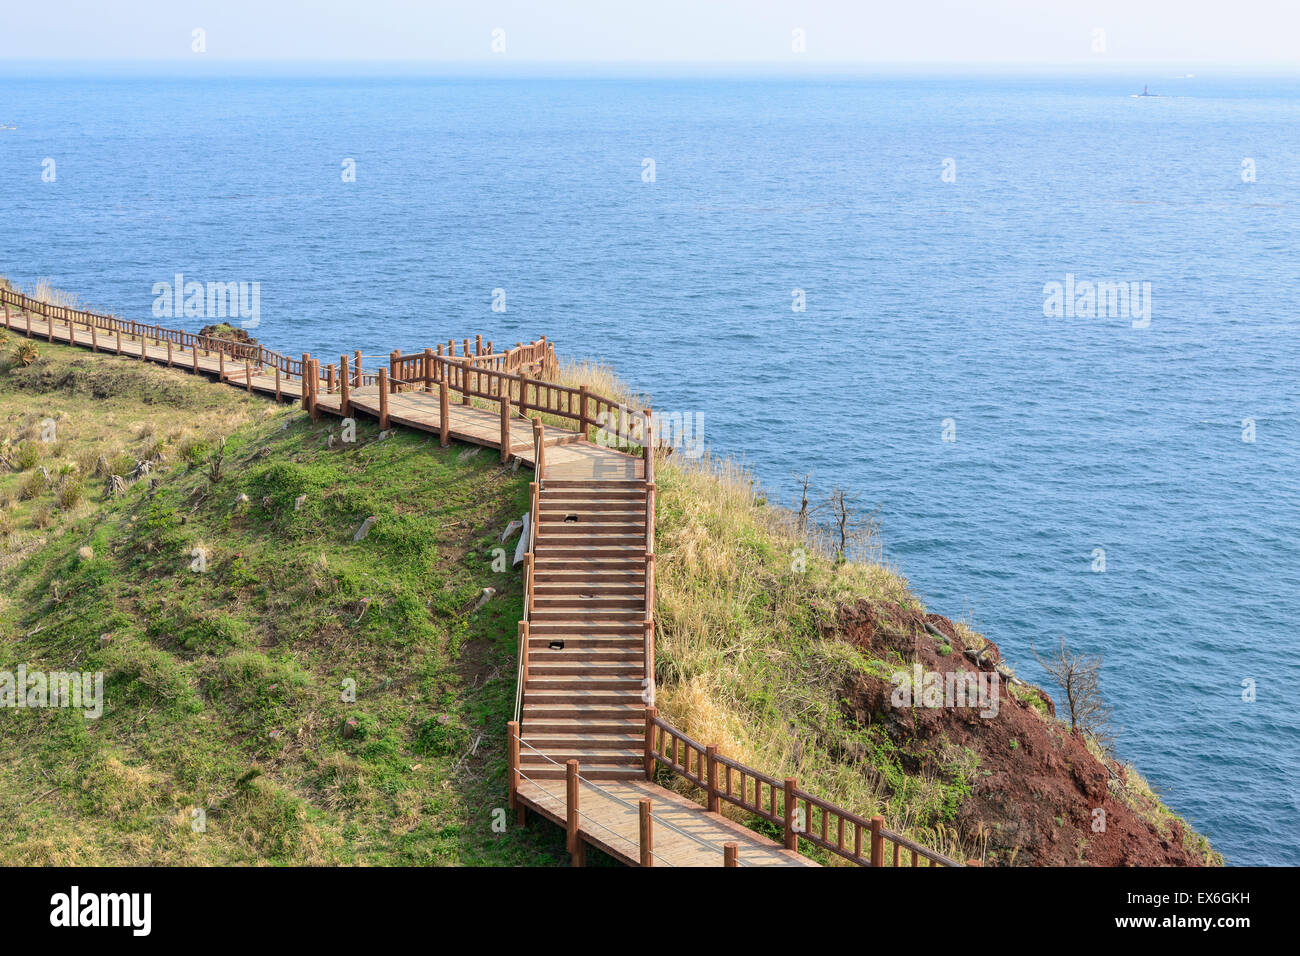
(586, 743)
(609, 819)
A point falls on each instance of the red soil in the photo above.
(1032, 802)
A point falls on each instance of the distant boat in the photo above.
(8, 126)
(1146, 91)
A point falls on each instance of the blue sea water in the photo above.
(924, 303)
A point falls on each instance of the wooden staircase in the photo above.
(586, 689)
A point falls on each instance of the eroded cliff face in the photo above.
(1038, 794)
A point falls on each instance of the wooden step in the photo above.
(601, 645)
(599, 536)
(631, 584)
(596, 688)
(559, 663)
(609, 484)
(592, 511)
(545, 620)
(594, 773)
(568, 631)
(630, 564)
(593, 693)
(577, 548)
(579, 602)
(631, 727)
(600, 740)
(548, 711)
(593, 756)
(616, 576)
(629, 506)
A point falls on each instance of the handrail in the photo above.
(649, 624)
(533, 529)
(722, 778)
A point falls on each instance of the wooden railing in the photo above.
(781, 803)
(480, 373)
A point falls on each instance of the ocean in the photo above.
(848, 276)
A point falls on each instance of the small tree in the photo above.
(1079, 678)
(803, 505)
(849, 530)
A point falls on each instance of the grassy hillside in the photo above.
(225, 687)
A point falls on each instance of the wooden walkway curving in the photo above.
(586, 743)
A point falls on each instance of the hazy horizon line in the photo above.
(684, 68)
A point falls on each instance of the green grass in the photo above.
(227, 690)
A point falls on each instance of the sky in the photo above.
(861, 34)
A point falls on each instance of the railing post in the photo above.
(356, 364)
(729, 854)
(647, 833)
(711, 777)
(582, 411)
(428, 370)
(94, 343)
(791, 812)
(313, 388)
(464, 378)
(248, 374)
(649, 447)
(512, 751)
(345, 384)
(383, 398)
(575, 847)
(221, 367)
(523, 650)
(649, 759)
(528, 576)
(330, 380)
(523, 392)
(648, 665)
(194, 356)
(877, 841)
(505, 420)
(393, 358)
(277, 383)
(478, 345)
(306, 394)
(539, 448)
(444, 413)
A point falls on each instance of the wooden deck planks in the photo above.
(685, 834)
